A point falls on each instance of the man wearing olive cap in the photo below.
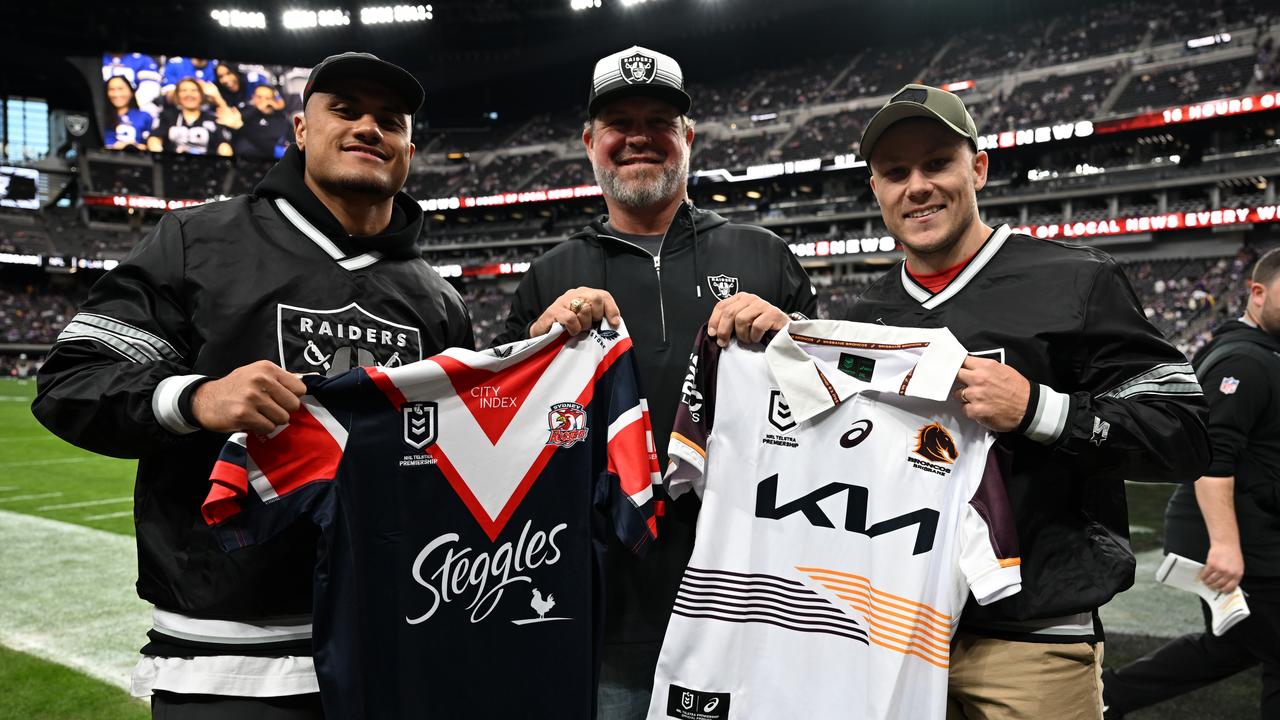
(203, 332)
(1082, 392)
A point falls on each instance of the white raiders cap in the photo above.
(637, 71)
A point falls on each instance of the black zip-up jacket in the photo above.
(1111, 401)
(266, 276)
(1242, 385)
(664, 301)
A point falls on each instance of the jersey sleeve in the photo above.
(262, 483)
(695, 415)
(989, 556)
(632, 460)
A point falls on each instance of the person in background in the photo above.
(124, 124)
(1229, 519)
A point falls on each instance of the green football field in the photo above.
(71, 624)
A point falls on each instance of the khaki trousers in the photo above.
(992, 679)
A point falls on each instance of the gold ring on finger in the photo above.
(576, 304)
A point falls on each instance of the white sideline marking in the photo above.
(36, 496)
(67, 595)
(107, 516)
(86, 503)
(50, 461)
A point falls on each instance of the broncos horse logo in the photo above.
(933, 442)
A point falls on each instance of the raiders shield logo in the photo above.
(722, 286)
(77, 125)
(331, 342)
(779, 412)
(419, 423)
(638, 69)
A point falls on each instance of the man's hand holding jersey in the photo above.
(254, 398)
(743, 315)
(746, 316)
(994, 394)
(577, 310)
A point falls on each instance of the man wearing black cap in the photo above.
(668, 267)
(202, 332)
(1082, 391)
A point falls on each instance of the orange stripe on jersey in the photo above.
(908, 623)
(1010, 562)
(895, 631)
(894, 622)
(693, 445)
(302, 453)
(908, 651)
(858, 579)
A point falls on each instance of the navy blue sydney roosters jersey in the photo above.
(463, 502)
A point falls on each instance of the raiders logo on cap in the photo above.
(638, 68)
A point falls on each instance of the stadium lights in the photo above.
(307, 19)
(629, 3)
(584, 4)
(240, 19)
(381, 14)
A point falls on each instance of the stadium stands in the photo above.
(1186, 84)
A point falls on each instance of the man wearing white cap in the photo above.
(669, 268)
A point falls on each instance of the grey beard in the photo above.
(643, 193)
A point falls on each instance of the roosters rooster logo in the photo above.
(933, 442)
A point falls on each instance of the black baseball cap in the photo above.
(365, 66)
(637, 71)
(919, 101)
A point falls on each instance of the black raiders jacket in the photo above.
(664, 300)
(214, 287)
(1111, 401)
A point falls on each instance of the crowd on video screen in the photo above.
(199, 106)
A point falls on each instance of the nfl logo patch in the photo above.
(419, 424)
(1228, 385)
(638, 69)
(567, 423)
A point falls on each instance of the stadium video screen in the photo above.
(199, 106)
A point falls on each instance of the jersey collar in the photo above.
(931, 300)
(810, 391)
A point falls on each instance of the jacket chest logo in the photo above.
(722, 286)
(331, 342)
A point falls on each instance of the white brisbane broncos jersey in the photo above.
(848, 510)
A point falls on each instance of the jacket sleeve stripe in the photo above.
(79, 331)
(162, 348)
(1166, 378)
(164, 403)
(1050, 418)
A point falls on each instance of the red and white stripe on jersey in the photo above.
(635, 463)
(307, 449)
